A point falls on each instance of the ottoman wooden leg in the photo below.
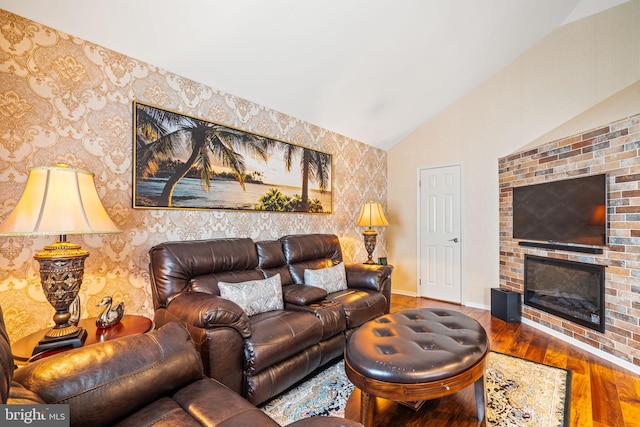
(481, 399)
(367, 405)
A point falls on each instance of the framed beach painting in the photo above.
(183, 162)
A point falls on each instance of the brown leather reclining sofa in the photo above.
(262, 355)
(152, 379)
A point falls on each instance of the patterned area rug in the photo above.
(520, 393)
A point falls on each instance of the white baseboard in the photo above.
(474, 305)
(405, 293)
(596, 352)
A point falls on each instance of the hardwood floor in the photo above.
(602, 394)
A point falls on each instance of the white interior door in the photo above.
(440, 241)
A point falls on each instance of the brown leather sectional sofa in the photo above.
(262, 355)
(152, 379)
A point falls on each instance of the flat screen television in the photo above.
(572, 211)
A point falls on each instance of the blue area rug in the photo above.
(520, 393)
(325, 394)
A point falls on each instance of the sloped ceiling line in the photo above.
(372, 71)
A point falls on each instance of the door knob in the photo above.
(454, 240)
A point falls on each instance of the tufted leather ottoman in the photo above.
(417, 355)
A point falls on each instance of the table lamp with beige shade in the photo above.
(371, 215)
(59, 200)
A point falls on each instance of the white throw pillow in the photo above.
(255, 296)
(331, 279)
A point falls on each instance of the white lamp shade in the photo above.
(372, 215)
(58, 200)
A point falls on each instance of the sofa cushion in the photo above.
(173, 265)
(310, 251)
(278, 335)
(271, 260)
(331, 279)
(360, 306)
(192, 406)
(209, 400)
(277, 378)
(209, 283)
(303, 294)
(255, 296)
(330, 313)
(162, 412)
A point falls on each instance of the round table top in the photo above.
(417, 346)
(129, 324)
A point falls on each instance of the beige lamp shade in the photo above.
(372, 215)
(58, 200)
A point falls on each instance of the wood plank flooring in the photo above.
(602, 394)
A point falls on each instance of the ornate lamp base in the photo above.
(61, 274)
(370, 243)
(72, 340)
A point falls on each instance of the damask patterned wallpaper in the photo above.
(63, 99)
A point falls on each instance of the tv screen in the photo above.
(566, 211)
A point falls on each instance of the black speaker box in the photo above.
(505, 305)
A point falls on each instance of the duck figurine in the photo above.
(109, 317)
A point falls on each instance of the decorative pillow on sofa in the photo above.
(255, 296)
(331, 279)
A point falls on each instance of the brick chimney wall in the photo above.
(613, 149)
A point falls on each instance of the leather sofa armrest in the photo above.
(107, 381)
(303, 294)
(208, 311)
(19, 395)
(367, 276)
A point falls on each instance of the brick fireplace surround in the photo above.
(613, 149)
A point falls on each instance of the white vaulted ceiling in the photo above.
(373, 70)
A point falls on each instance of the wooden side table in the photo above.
(130, 324)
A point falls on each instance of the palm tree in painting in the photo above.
(315, 166)
(169, 133)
